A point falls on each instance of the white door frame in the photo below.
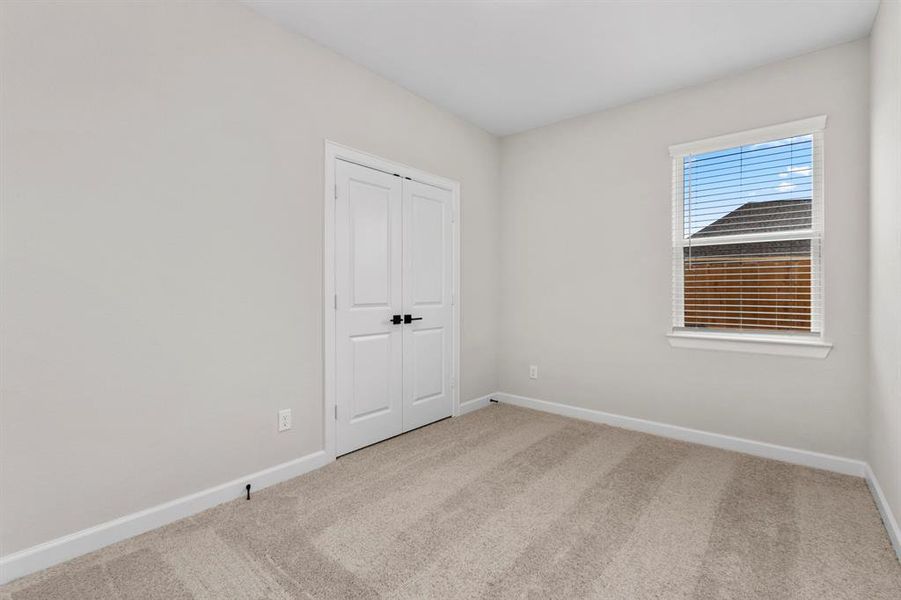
(333, 152)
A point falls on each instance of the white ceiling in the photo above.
(514, 65)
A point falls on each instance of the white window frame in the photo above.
(812, 346)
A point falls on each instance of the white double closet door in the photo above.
(394, 305)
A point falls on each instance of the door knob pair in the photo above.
(407, 319)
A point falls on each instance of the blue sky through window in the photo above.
(717, 183)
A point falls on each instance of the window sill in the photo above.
(748, 342)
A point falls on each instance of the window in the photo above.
(748, 235)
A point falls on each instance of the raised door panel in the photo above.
(371, 392)
(429, 378)
(428, 250)
(370, 240)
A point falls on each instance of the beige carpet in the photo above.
(511, 503)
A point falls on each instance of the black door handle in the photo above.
(395, 320)
(409, 319)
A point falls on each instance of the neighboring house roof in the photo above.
(751, 217)
(756, 217)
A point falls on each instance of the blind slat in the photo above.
(767, 169)
(759, 166)
(746, 152)
(791, 206)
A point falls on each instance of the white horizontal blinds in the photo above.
(747, 237)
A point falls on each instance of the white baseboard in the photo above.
(888, 518)
(29, 560)
(807, 458)
(475, 404)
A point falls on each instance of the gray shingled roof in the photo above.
(791, 214)
(756, 217)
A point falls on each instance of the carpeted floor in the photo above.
(511, 503)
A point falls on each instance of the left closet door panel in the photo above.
(368, 283)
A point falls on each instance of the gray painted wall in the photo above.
(586, 265)
(162, 248)
(885, 254)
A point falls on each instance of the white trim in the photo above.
(737, 341)
(807, 458)
(779, 345)
(456, 298)
(41, 556)
(332, 152)
(752, 136)
(329, 303)
(475, 404)
(885, 511)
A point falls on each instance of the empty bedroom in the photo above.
(450, 299)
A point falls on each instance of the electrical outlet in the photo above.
(533, 371)
(284, 419)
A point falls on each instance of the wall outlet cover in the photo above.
(284, 419)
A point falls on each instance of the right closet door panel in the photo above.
(428, 297)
